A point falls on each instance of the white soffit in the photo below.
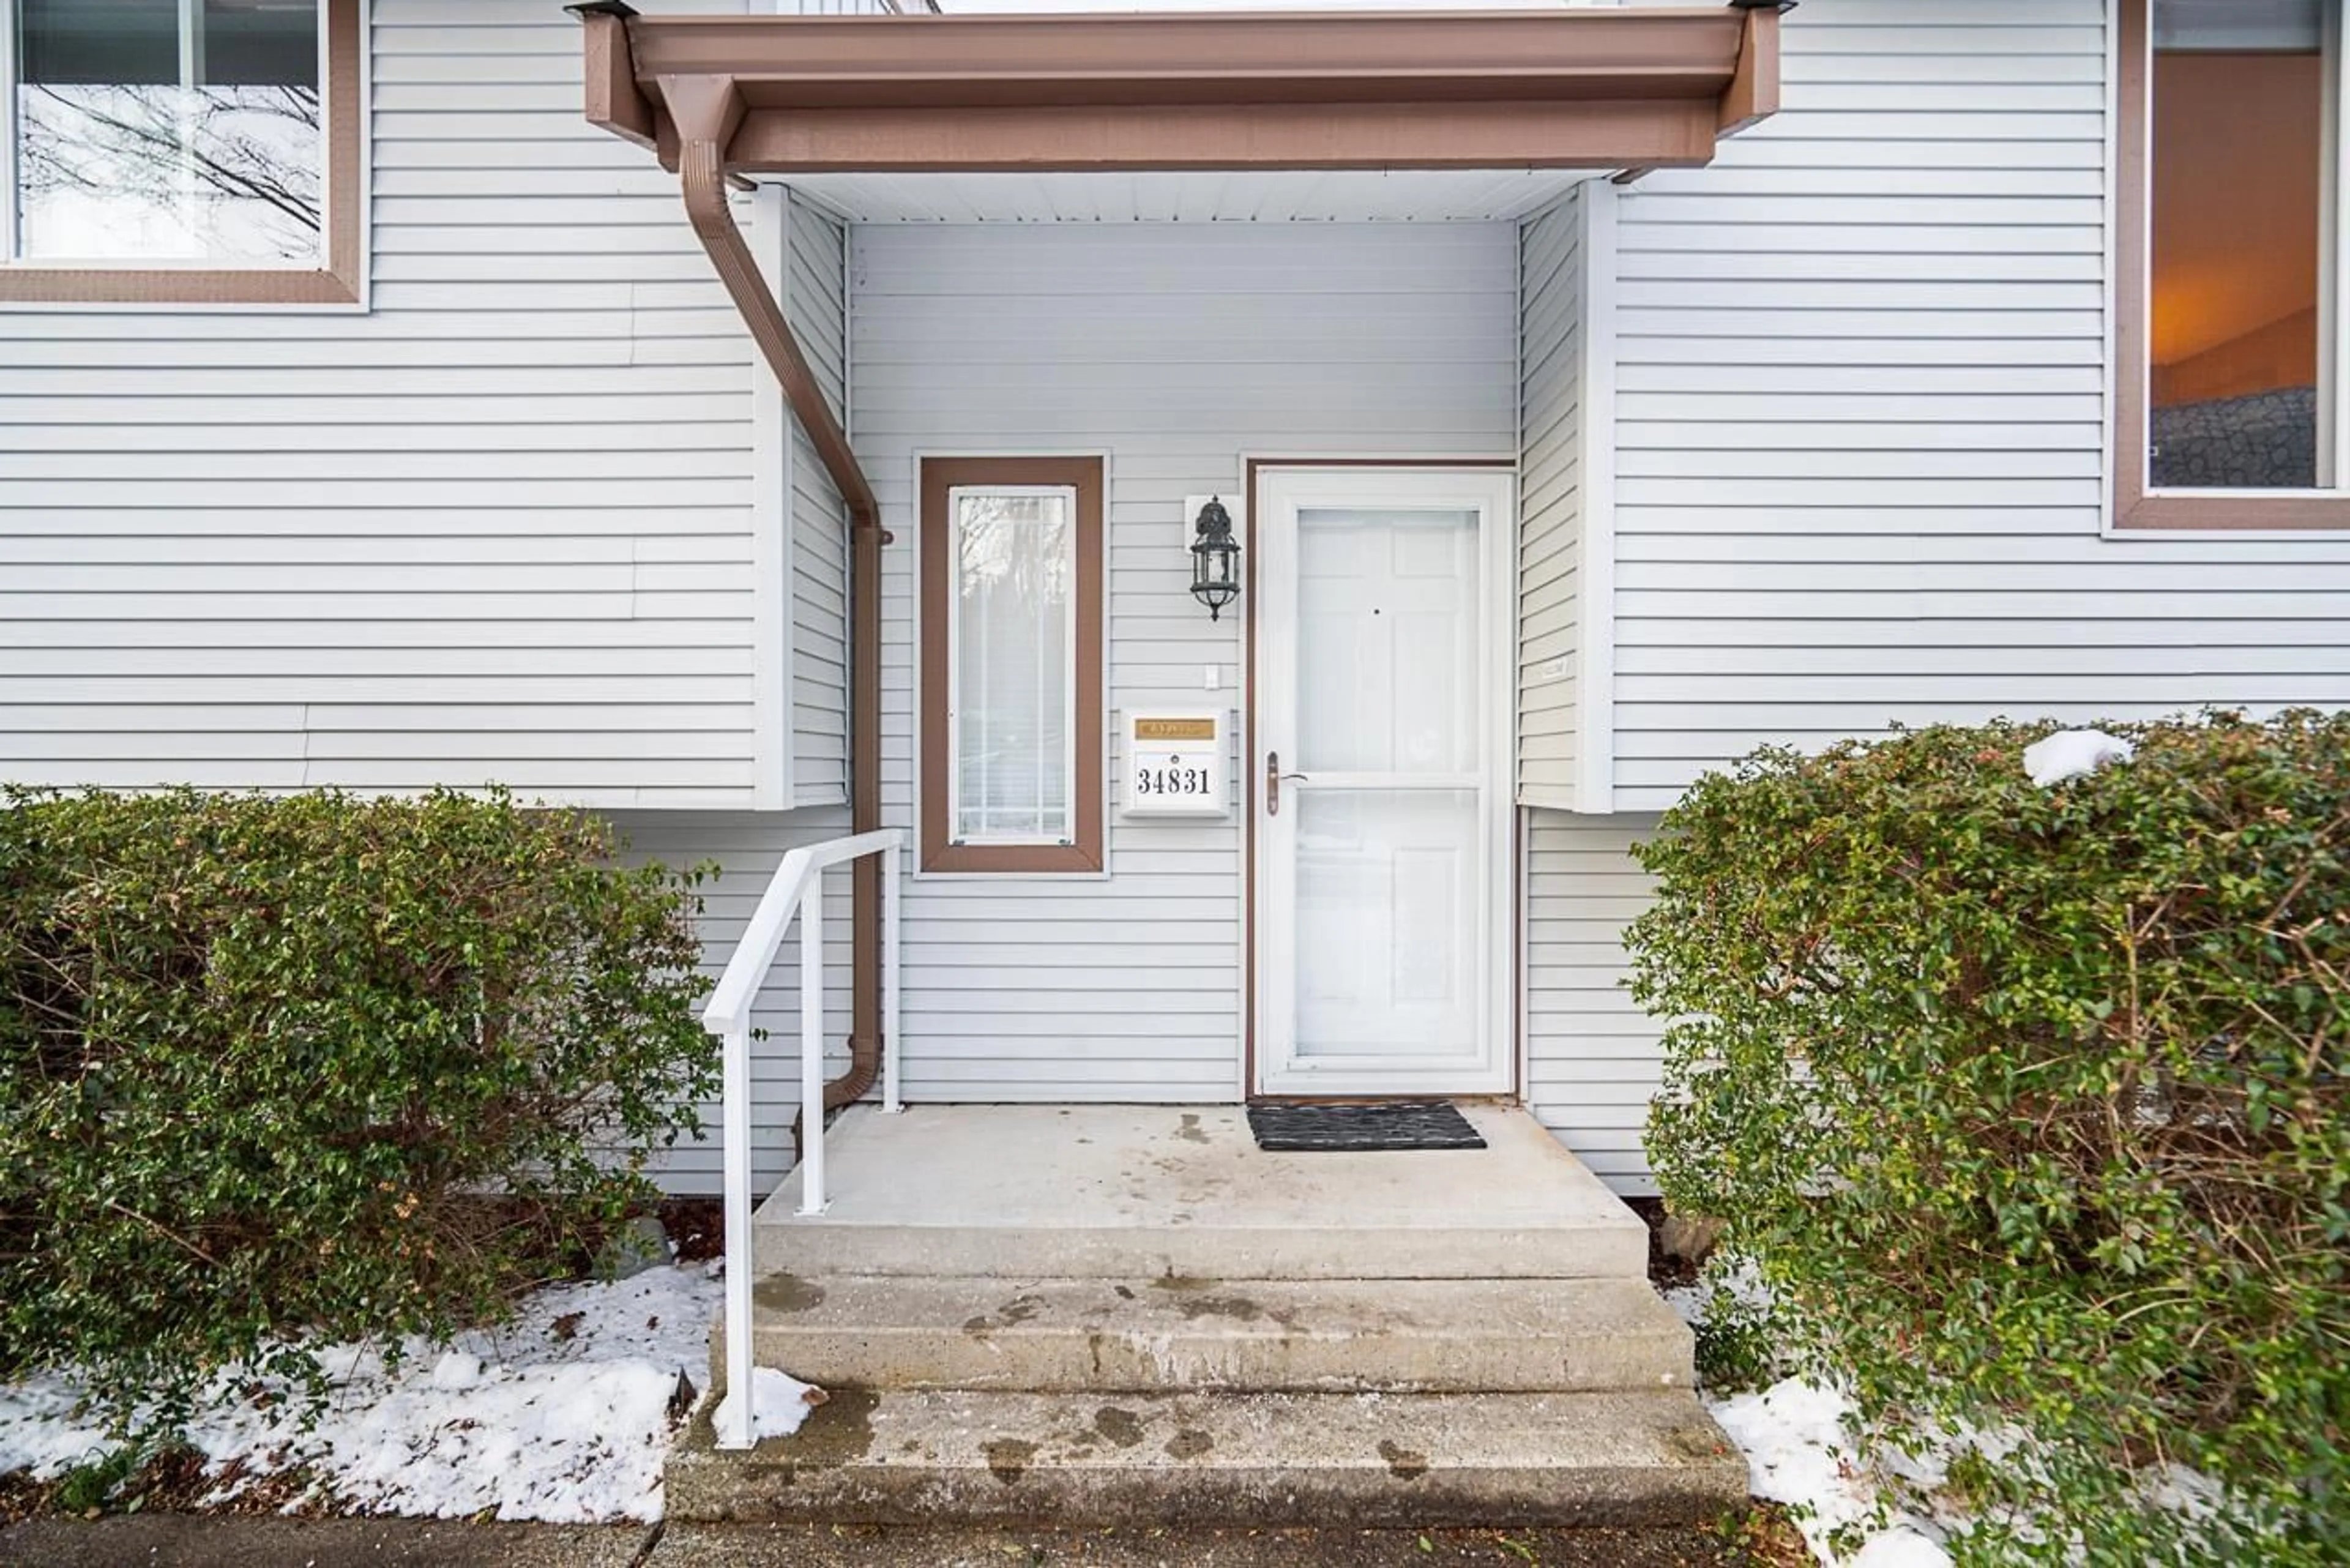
(1343, 196)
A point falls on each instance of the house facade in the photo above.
(1974, 375)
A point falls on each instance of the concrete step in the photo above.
(1466, 1252)
(1173, 1334)
(1126, 1192)
(1372, 1460)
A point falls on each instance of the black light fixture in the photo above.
(1215, 559)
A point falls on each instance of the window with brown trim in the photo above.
(1013, 707)
(2232, 334)
(180, 152)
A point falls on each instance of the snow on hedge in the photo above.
(2069, 753)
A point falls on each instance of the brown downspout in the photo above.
(706, 111)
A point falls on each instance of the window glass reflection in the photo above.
(147, 133)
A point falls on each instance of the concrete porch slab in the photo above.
(1142, 1192)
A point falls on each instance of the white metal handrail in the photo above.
(798, 889)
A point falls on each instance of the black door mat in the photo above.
(1391, 1125)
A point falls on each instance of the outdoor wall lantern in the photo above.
(1215, 559)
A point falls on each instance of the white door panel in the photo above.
(1387, 886)
(1383, 927)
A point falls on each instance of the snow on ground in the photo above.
(562, 1416)
(779, 1403)
(1797, 1453)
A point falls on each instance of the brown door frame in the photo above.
(1252, 784)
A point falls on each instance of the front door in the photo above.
(1382, 826)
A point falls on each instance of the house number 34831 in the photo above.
(1174, 779)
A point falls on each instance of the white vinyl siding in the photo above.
(815, 302)
(1591, 1054)
(1861, 404)
(495, 529)
(1550, 505)
(1176, 351)
(745, 848)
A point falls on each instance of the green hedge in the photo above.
(357, 1067)
(2029, 1106)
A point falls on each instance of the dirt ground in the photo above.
(183, 1541)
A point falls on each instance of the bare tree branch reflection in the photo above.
(249, 158)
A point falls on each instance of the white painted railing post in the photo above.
(737, 1432)
(795, 889)
(812, 1050)
(890, 1100)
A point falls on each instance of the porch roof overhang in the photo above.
(719, 97)
(1572, 88)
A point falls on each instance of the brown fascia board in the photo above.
(1250, 138)
(1026, 59)
(614, 101)
(1753, 95)
(1571, 88)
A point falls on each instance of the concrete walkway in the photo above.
(210, 1541)
(181, 1542)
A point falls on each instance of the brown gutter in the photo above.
(973, 59)
(706, 112)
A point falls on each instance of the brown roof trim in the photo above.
(1383, 89)
(1678, 134)
(614, 101)
(1753, 95)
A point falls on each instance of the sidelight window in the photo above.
(1012, 667)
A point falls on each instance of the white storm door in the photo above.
(1383, 929)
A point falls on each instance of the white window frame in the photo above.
(1067, 496)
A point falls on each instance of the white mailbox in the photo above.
(1176, 766)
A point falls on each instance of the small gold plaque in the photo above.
(1174, 729)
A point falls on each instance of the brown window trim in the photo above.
(2133, 508)
(338, 283)
(941, 476)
